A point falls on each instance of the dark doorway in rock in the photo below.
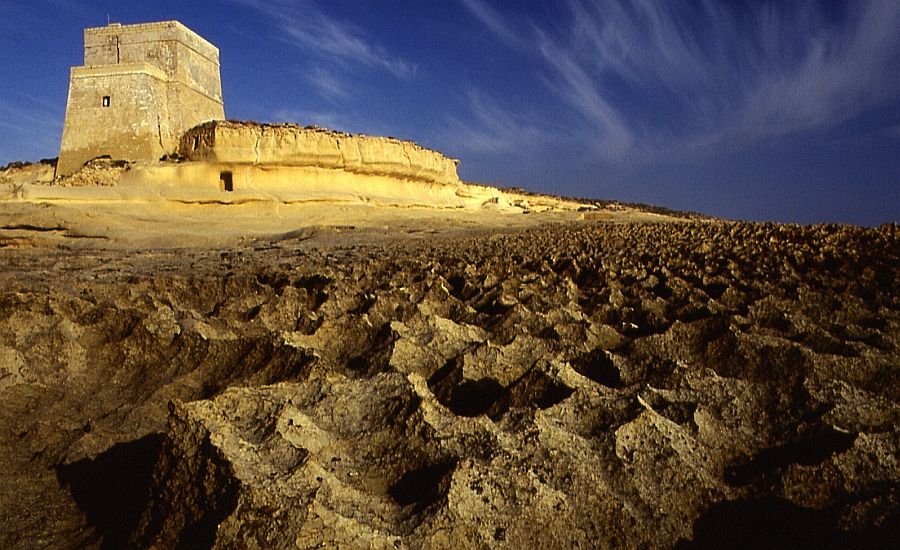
(106, 101)
(227, 181)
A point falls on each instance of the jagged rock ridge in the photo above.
(628, 385)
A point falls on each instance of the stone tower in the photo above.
(140, 88)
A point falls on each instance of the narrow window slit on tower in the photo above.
(227, 181)
(106, 101)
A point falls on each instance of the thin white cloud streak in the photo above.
(491, 129)
(841, 75)
(327, 84)
(611, 137)
(723, 76)
(29, 114)
(34, 122)
(638, 42)
(304, 25)
(493, 21)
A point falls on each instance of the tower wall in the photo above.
(160, 80)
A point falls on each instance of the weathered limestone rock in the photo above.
(19, 174)
(477, 392)
(228, 143)
(740, 389)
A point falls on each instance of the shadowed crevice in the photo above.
(775, 523)
(810, 449)
(113, 489)
(424, 486)
(466, 397)
(599, 367)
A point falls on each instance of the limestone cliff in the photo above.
(245, 143)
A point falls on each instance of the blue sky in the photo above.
(761, 110)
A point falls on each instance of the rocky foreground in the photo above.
(692, 384)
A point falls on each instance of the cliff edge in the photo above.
(233, 142)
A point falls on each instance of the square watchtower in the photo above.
(140, 88)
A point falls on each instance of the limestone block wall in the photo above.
(182, 54)
(187, 108)
(133, 126)
(187, 91)
(292, 145)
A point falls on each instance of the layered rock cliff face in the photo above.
(292, 145)
(707, 385)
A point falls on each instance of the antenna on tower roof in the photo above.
(107, 19)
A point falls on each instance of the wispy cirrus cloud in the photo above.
(327, 84)
(305, 25)
(30, 123)
(679, 75)
(576, 85)
(494, 21)
(840, 73)
(491, 128)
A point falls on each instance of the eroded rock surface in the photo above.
(292, 145)
(611, 385)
